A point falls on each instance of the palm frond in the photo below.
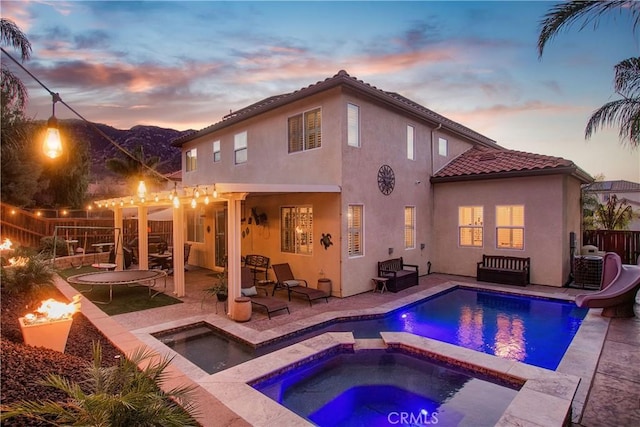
(11, 35)
(563, 15)
(627, 78)
(624, 113)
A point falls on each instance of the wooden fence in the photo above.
(26, 228)
(624, 243)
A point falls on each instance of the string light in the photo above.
(215, 192)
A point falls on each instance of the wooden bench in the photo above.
(400, 275)
(258, 264)
(507, 270)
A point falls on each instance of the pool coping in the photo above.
(580, 359)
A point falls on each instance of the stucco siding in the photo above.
(545, 239)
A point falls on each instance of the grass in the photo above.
(126, 299)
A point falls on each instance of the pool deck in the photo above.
(605, 354)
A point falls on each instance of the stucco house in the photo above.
(339, 175)
(623, 190)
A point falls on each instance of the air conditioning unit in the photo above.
(587, 271)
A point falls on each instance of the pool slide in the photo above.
(618, 289)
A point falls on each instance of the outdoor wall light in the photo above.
(390, 251)
(52, 145)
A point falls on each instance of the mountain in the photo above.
(156, 141)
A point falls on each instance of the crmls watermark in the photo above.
(412, 418)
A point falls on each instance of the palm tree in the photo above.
(625, 112)
(121, 395)
(12, 86)
(135, 167)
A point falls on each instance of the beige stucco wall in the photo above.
(552, 210)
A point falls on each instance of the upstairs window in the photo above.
(191, 157)
(216, 151)
(470, 226)
(240, 147)
(510, 227)
(411, 143)
(353, 125)
(305, 131)
(296, 229)
(355, 215)
(409, 227)
(443, 147)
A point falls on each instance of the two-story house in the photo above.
(339, 175)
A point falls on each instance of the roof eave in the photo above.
(574, 171)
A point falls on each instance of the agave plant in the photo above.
(120, 395)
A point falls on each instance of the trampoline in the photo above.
(146, 278)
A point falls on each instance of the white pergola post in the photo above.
(178, 251)
(234, 250)
(143, 238)
(119, 224)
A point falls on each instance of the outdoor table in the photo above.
(161, 259)
(120, 278)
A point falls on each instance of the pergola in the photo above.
(232, 193)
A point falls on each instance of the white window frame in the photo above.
(355, 230)
(474, 226)
(240, 148)
(296, 229)
(443, 146)
(191, 160)
(409, 227)
(217, 155)
(511, 226)
(353, 125)
(302, 135)
(411, 142)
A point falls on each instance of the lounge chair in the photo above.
(286, 280)
(248, 289)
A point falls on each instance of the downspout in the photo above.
(431, 201)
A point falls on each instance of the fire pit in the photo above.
(49, 326)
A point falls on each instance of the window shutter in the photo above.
(295, 133)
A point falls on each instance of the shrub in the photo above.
(31, 274)
(46, 247)
(122, 395)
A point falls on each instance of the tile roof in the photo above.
(484, 163)
(613, 186)
(342, 78)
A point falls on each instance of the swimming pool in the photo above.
(533, 330)
(381, 388)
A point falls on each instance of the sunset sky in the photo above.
(184, 65)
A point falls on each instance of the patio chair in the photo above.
(248, 289)
(286, 280)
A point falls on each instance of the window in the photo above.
(240, 147)
(411, 143)
(195, 225)
(470, 223)
(354, 230)
(510, 227)
(409, 227)
(216, 151)
(353, 125)
(296, 229)
(192, 159)
(305, 131)
(443, 147)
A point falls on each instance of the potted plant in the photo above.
(219, 289)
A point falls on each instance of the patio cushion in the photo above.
(249, 292)
(291, 283)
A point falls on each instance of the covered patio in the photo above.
(182, 199)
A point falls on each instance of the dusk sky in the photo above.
(184, 65)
